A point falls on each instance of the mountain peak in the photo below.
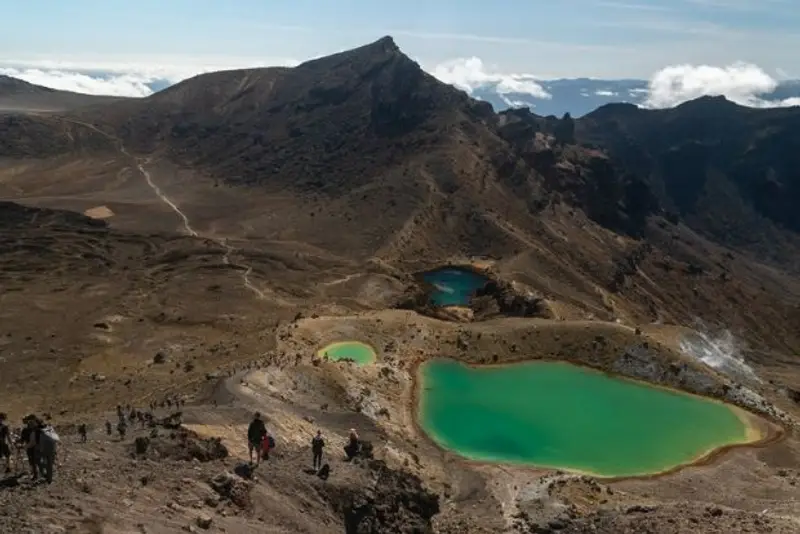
(377, 51)
(385, 47)
(386, 43)
(614, 109)
(709, 102)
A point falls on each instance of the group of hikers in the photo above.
(40, 442)
(124, 416)
(260, 442)
(37, 438)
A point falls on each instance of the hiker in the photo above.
(122, 427)
(28, 439)
(47, 446)
(317, 444)
(5, 442)
(267, 444)
(255, 433)
(82, 432)
(16, 439)
(353, 445)
(109, 427)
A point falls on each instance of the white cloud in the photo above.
(116, 85)
(470, 73)
(743, 83)
(122, 78)
(118, 78)
(516, 103)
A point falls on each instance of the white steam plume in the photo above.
(720, 351)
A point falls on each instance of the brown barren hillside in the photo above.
(203, 244)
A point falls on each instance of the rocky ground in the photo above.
(167, 479)
(232, 352)
(173, 479)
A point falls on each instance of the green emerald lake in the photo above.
(453, 286)
(558, 415)
(360, 353)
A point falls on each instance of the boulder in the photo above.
(233, 488)
(204, 521)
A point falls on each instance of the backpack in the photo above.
(50, 433)
(48, 439)
(271, 441)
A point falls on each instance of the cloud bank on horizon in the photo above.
(743, 83)
(133, 79)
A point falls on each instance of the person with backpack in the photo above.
(48, 440)
(5, 442)
(317, 444)
(28, 439)
(255, 435)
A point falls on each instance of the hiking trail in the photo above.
(343, 280)
(187, 225)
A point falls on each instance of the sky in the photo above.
(684, 42)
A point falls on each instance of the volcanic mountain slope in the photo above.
(251, 216)
(42, 136)
(364, 155)
(20, 96)
(730, 172)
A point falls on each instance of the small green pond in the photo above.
(453, 286)
(557, 415)
(360, 353)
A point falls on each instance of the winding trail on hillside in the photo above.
(140, 163)
(226, 259)
(187, 225)
(343, 280)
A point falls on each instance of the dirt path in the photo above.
(343, 280)
(140, 162)
(226, 259)
(187, 225)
